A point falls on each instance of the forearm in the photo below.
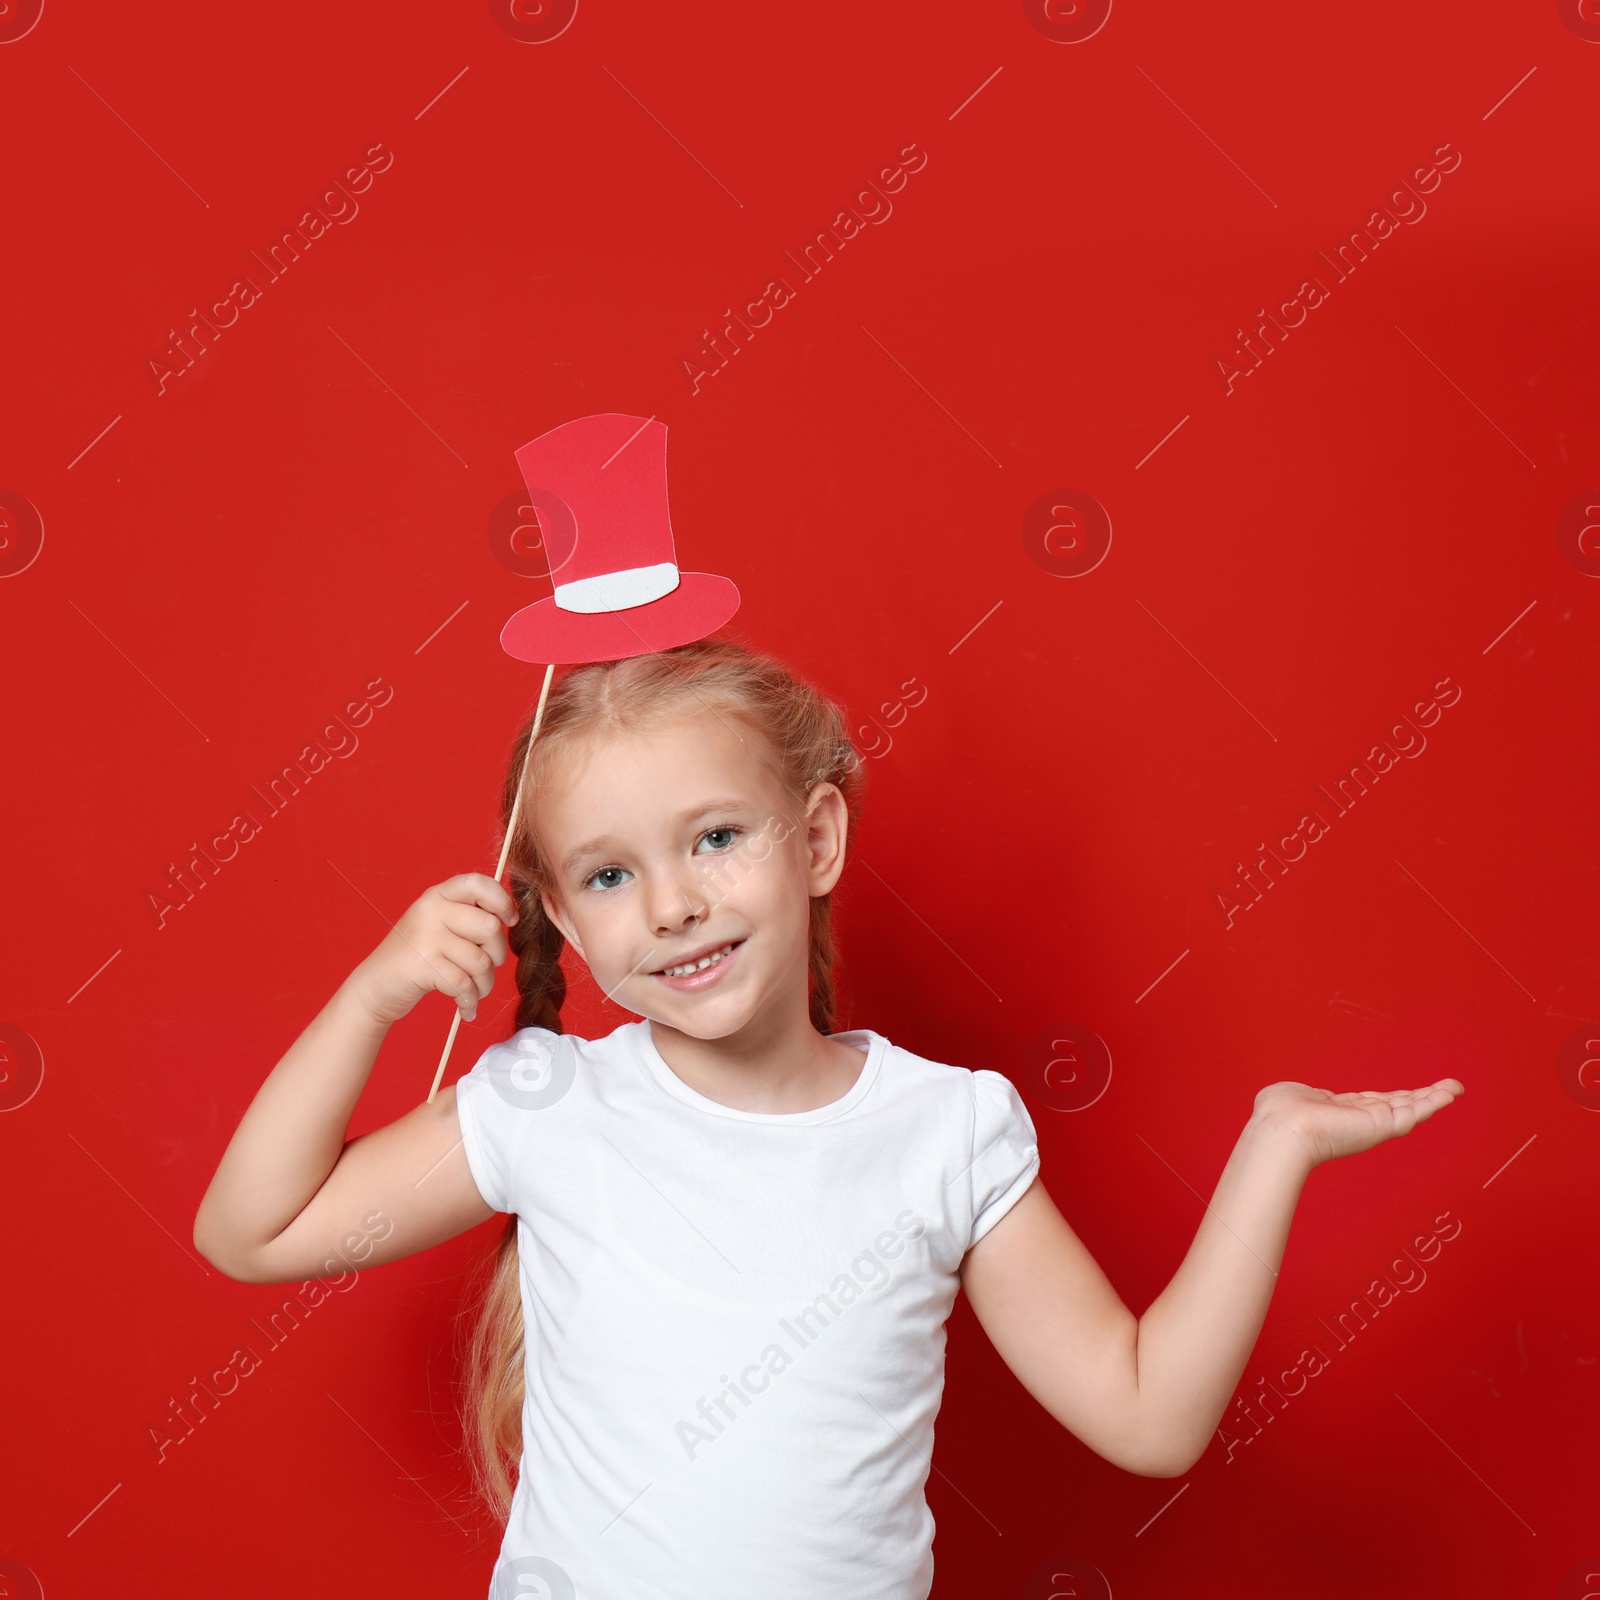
(1197, 1334)
(291, 1136)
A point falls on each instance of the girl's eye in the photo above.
(606, 878)
(717, 839)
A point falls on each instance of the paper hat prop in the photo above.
(599, 487)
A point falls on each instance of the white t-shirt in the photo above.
(734, 1320)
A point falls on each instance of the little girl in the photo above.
(713, 1347)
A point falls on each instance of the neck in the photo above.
(777, 1062)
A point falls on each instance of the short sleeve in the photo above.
(1005, 1151)
(498, 1102)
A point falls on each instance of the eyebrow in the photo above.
(600, 845)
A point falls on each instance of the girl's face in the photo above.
(682, 871)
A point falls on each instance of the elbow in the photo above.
(240, 1272)
(1162, 1460)
(1156, 1453)
(1152, 1465)
(242, 1269)
(231, 1263)
(208, 1245)
(1143, 1458)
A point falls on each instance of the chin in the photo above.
(711, 1017)
(706, 1022)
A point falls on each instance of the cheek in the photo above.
(773, 891)
(601, 932)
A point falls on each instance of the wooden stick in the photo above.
(505, 852)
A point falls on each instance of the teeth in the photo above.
(687, 967)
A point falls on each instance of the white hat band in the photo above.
(618, 591)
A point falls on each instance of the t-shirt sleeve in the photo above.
(1005, 1151)
(497, 1104)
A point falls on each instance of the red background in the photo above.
(307, 509)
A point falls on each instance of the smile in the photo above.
(700, 968)
(697, 966)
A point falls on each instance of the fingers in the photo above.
(1442, 1092)
(465, 973)
(481, 927)
(451, 980)
(1409, 1107)
(1437, 1096)
(478, 888)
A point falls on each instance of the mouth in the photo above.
(699, 969)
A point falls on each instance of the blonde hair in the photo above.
(806, 737)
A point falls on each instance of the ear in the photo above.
(557, 913)
(827, 825)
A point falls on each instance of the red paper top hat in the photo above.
(599, 486)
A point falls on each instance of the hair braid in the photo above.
(534, 939)
(823, 998)
(537, 944)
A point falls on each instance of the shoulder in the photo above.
(534, 1068)
(983, 1128)
(533, 1043)
(980, 1091)
(999, 1111)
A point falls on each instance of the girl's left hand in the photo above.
(1332, 1125)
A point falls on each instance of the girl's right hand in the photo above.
(451, 938)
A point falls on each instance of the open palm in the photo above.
(1345, 1124)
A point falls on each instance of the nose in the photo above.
(677, 901)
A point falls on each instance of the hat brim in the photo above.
(543, 632)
